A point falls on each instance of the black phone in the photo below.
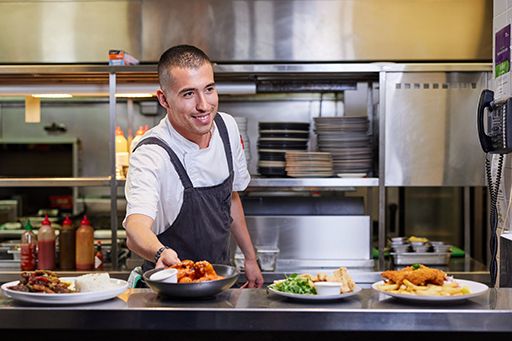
(499, 116)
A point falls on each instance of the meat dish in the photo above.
(417, 275)
(42, 281)
(190, 272)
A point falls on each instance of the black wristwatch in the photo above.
(159, 253)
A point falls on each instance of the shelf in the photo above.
(303, 183)
(55, 182)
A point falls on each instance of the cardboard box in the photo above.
(120, 57)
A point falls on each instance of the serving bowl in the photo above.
(194, 290)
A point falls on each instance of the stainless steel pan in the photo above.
(201, 289)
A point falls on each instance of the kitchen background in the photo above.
(427, 200)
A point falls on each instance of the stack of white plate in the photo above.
(309, 164)
(347, 139)
(277, 138)
(242, 127)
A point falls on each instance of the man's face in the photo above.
(191, 101)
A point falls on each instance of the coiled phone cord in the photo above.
(493, 192)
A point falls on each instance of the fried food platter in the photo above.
(304, 297)
(476, 289)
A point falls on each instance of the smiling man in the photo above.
(184, 174)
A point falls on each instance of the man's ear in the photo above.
(162, 98)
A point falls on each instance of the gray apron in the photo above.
(201, 229)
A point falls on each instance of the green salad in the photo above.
(295, 285)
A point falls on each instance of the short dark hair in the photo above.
(184, 56)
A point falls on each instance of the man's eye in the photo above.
(188, 94)
(210, 89)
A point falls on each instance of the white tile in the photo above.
(499, 22)
(499, 6)
(509, 5)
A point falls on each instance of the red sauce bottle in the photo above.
(85, 246)
(46, 246)
(28, 249)
(98, 258)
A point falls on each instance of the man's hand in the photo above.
(253, 274)
(167, 258)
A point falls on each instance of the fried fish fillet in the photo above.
(422, 276)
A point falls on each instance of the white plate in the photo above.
(118, 287)
(316, 297)
(476, 289)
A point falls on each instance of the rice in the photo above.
(92, 282)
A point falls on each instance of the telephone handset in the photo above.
(500, 139)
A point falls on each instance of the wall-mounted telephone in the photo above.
(499, 140)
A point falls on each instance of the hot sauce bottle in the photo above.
(85, 246)
(28, 248)
(46, 246)
(98, 257)
(67, 246)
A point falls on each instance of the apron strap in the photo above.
(185, 180)
(223, 131)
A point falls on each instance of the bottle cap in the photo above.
(46, 221)
(85, 221)
(67, 221)
(146, 128)
(119, 131)
(140, 132)
(28, 226)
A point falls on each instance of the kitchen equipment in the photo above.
(195, 290)
(267, 259)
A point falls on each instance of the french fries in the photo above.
(407, 288)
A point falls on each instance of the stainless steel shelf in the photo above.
(55, 182)
(313, 182)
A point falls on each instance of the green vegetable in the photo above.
(415, 266)
(294, 284)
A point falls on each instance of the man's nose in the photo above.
(202, 103)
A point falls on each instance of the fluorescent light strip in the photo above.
(137, 95)
(52, 95)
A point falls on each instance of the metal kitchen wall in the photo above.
(233, 31)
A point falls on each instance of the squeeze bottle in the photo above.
(121, 143)
(98, 258)
(28, 248)
(136, 139)
(46, 246)
(85, 246)
(67, 244)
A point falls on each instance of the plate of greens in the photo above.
(297, 288)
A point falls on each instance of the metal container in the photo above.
(194, 290)
(426, 258)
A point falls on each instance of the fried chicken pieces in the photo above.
(422, 276)
(340, 275)
(190, 272)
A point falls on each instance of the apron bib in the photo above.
(201, 229)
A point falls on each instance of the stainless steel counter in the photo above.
(246, 310)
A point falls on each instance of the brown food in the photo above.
(340, 275)
(42, 281)
(422, 276)
(190, 272)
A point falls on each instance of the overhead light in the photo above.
(52, 95)
(135, 95)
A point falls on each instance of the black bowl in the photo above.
(283, 125)
(272, 156)
(194, 290)
(285, 135)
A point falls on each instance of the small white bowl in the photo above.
(165, 276)
(328, 288)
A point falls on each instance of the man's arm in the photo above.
(243, 239)
(141, 240)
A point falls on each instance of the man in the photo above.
(184, 174)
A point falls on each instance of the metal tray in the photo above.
(426, 258)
